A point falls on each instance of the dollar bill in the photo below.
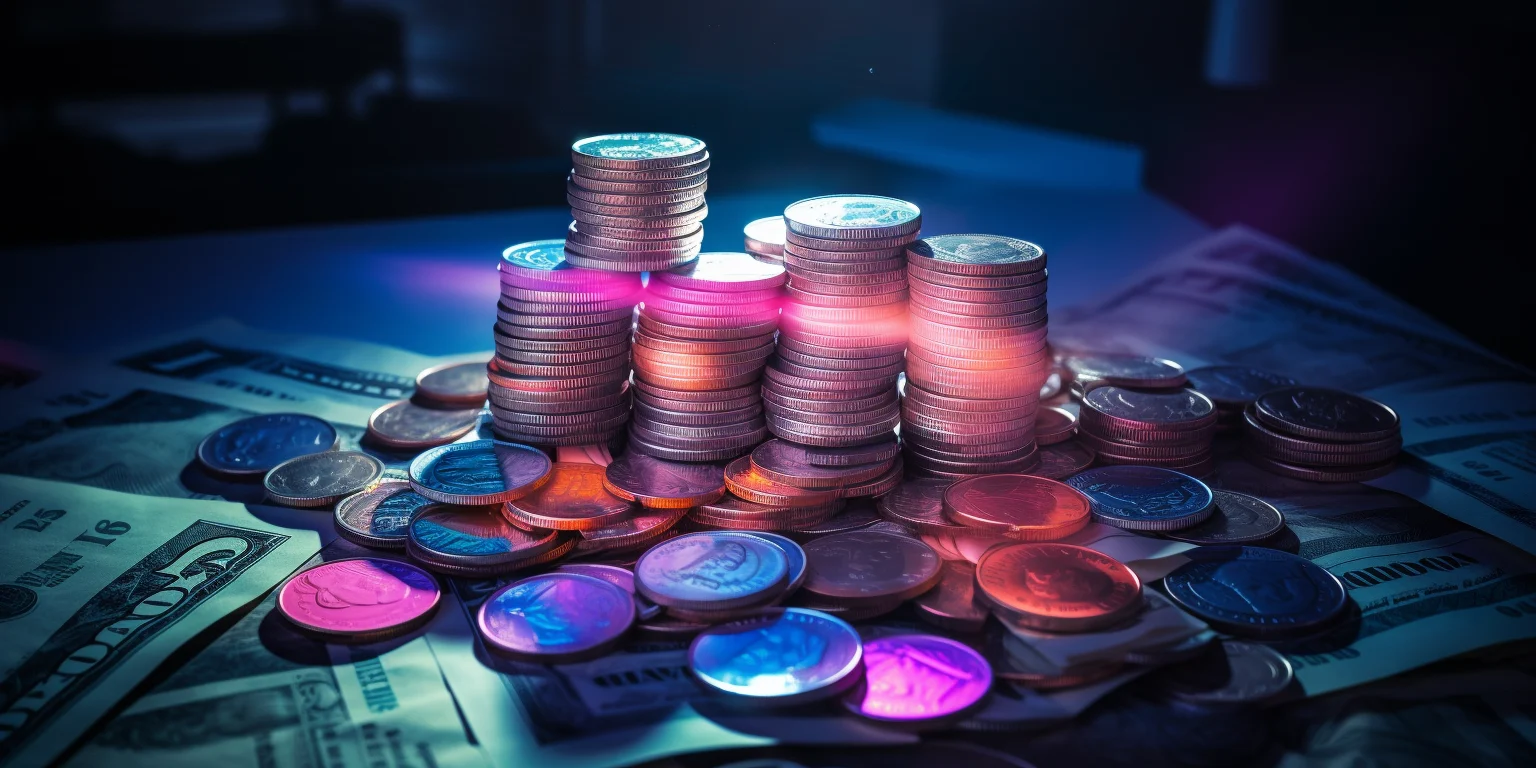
(98, 589)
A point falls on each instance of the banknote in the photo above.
(97, 589)
(263, 694)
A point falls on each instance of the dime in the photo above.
(717, 570)
(1235, 674)
(979, 255)
(765, 236)
(1326, 414)
(724, 271)
(403, 424)
(782, 656)
(254, 445)
(643, 527)
(1054, 425)
(1235, 386)
(379, 517)
(318, 479)
(1144, 498)
(361, 599)
(453, 384)
(623, 578)
(1019, 506)
(1058, 587)
(479, 472)
(1126, 370)
(637, 151)
(918, 679)
(952, 605)
(664, 484)
(573, 499)
(866, 566)
(1256, 592)
(556, 617)
(1237, 518)
(843, 217)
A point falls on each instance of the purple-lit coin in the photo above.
(712, 571)
(913, 679)
(361, 599)
(623, 578)
(556, 617)
(783, 656)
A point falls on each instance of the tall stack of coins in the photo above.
(977, 357)
(561, 371)
(705, 332)
(1172, 429)
(765, 238)
(1325, 435)
(833, 383)
(638, 200)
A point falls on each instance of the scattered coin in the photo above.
(573, 499)
(556, 617)
(254, 445)
(781, 656)
(1236, 518)
(623, 578)
(1144, 498)
(1018, 506)
(360, 599)
(453, 385)
(379, 517)
(320, 479)
(1234, 674)
(405, 425)
(1124, 371)
(479, 472)
(952, 605)
(712, 571)
(867, 566)
(1058, 587)
(917, 680)
(1256, 592)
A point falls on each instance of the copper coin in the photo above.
(821, 350)
(875, 486)
(789, 519)
(880, 415)
(653, 414)
(567, 401)
(403, 424)
(453, 384)
(773, 399)
(664, 484)
(1058, 587)
(918, 395)
(696, 407)
(750, 435)
(644, 526)
(795, 357)
(749, 484)
(1063, 460)
(1021, 506)
(573, 499)
(865, 566)
(807, 433)
(869, 453)
(952, 605)
(755, 355)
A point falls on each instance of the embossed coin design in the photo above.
(573, 499)
(852, 216)
(981, 255)
(913, 679)
(1126, 370)
(1326, 414)
(1020, 506)
(556, 617)
(1144, 498)
(1234, 674)
(475, 538)
(454, 384)
(360, 599)
(624, 151)
(919, 505)
(782, 656)
(623, 578)
(319, 479)
(867, 566)
(723, 270)
(479, 472)
(1057, 587)
(403, 424)
(254, 445)
(379, 517)
(1237, 519)
(663, 484)
(1256, 592)
(712, 571)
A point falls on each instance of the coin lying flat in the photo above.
(254, 445)
(1144, 498)
(319, 479)
(1236, 519)
(723, 271)
(978, 255)
(840, 217)
(665, 484)
(455, 384)
(1235, 674)
(1126, 370)
(952, 605)
(360, 599)
(919, 505)
(479, 472)
(1326, 414)
(379, 517)
(556, 617)
(1019, 506)
(476, 538)
(866, 566)
(712, 571)
(1063, 460)
(643, 527)
(573, 499)
(1058, 587)
(637, 151)
(917, 679)
(403, 424)
(623, 578)
(1256, 592)
(782, 656)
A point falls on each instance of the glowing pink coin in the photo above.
(911, 679)
(360, 598)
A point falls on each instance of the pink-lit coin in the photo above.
(360, 599)
(917, 680)
(556, 617)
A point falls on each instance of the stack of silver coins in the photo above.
(765, 238)
(977, 357)
(638, 200)
(561, 371)
(843, 333)
(1323, 435)
(1172, 429)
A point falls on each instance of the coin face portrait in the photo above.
(468, 469)
(1061, 580)
(722, 565)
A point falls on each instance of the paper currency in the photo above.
(1159, 624)
(98, 588)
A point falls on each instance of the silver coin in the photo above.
(319, 479)
(796, 555)
(784, 656)
(1175, 410)
(765, 235)
(1241, 674)
(1126, 370)
(1236, 519)
(634, 151)
(479, 472)
(1144, 498)
(852, 217)
(622, 578)
(714, 570)
(380, 516)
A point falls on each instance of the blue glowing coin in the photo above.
(1256, 592)
(782, 656)
(479, 472)
(253, 446)
(541, 255)
(478, 537)
(556, 617)
(1144, 498)
(796, 555)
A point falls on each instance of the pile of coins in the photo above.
(1089, 370)
(782, 486)
(638, 200)
(843, 338)
(561, 371)
(1233, 388)
(765, 238)
(703, 337)
(1155, 428)
(977, 356)
(1325, 435)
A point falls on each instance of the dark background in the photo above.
(1390, 137)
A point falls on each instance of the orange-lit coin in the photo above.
(1057, 587)
(1023, 507)
(749, 484)
(573, 499)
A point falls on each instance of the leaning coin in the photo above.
(453, 384)
(918, 680)
(254, 445)
(1237, 519)
(1234, 673)
(712, 571)
(866, 566)
(1234, 589)
(1057, 587)
(360, 599)
(952, 605)
(379, 517)
(769, 658)
(1144, 498)
(556, 617)
(403, 424)
(319, 479)
(1018, 506)
(479, 472)
(662, 484)
(623, 578)
(573, 499)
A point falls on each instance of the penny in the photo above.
(778, 519)
(479, 472)
(782, 656)
(1236, 518)
(1235, 674)
(1325, 414)
(1144, 498)
(254, 445)
(642, 527)
(1235, 386)
(637, 151)
(952, 605)
(718, 570)
(319, 479)
(573, 499)
(403, 424)
(1019, 506)
(916, 679)
(453, 384)
(360, 599)
(623, 578)
(379, 517)
(664, 484)
(556, 617)
(724, 271)
(1057, 587)
(863, 566)
(841, 217)
(1256, 592)
(976, 255)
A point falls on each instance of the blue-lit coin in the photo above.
(783, 656)
(852, 217)
(796, 555)
(542, 255)
(637, 151)
(479, 472)
(977, 255)
(1144, 498)
(1256, 592)
(379, 517)
(556, 617)
(477, 537)
(254, 445)
(713, 570)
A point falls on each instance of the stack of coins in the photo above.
(765, 238)
(1089, 370)
(561, 371)
(638, 200)
(781, 487)
(977, 358)
(833, 383)
(1232, 388)
(1325, 435)
(704, 335)
(1158, 428)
